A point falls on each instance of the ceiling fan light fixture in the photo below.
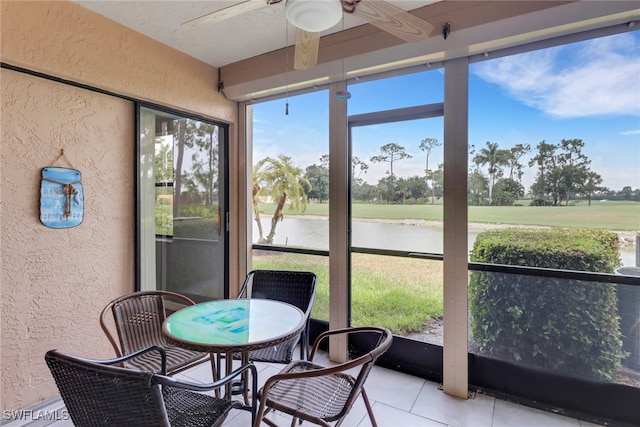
(313, 16)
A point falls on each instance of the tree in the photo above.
(437, 181)
(591, 185)
(494, 157)
(318, 177)
(283, 180)
(477, 183)
(385, 188)
(513, 157)
(195, 178)
(563, 171)
(163, 162)
(626, 193)
(401, 191)
(255, 192)
(204, 158)
(391, 153)
(417, 188)
(413, 188)
(364, 192)
(574, 167)
(356, 164)
(629, 194)
(507, 192)
(546, 162)
(427, 145)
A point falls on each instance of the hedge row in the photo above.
(563, 325)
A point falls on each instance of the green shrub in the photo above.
(198, 210)
(562, 325)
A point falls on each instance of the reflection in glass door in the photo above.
(182, 205)
(396, 222)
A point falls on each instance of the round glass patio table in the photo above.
(233, 326)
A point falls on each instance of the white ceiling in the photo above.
(218, 44)
(265, 30)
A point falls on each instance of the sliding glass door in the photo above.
(182, 210)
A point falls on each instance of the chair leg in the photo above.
(369, 409)
(302, 344)
(260, 416)
(269, 422)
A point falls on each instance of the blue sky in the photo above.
(588, 90)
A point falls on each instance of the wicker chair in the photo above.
(98, 394)
(138, 321)
(323, 395)
(294, 287)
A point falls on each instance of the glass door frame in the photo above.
(401, 355)
(223, 198)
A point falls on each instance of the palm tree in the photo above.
(282, 179)
(427, 145)
(391, 153)
(493, 157)
(256, 209)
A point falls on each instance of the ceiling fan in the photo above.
(311, 17)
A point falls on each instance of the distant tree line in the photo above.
(563, 175)
(494, 178)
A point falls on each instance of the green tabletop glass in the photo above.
(234, 324)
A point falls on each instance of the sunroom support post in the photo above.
(339, 257)
(241, 209)
(455, 369)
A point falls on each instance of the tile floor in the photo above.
(401, 400)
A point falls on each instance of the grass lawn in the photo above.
(616, 216)
(403, 301)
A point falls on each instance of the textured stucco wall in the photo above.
(70, 42)
(55, 282)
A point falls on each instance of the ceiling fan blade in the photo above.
(394, 20)
(307, 44)
(227, 13)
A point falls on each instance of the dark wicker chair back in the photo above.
(96, 393)
(293, 287)
(138, 321)
(319, 394)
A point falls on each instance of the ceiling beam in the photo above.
(367, 38)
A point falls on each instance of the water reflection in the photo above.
(314, 233)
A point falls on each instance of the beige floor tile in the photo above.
(393, 388)
(389, 416)
(434, 404)
(401, 400)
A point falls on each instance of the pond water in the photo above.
(314, 233)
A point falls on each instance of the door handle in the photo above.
(219, 222)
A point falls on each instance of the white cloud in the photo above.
(631, 132)
(596, 77)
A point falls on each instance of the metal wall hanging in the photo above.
(61, 195)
